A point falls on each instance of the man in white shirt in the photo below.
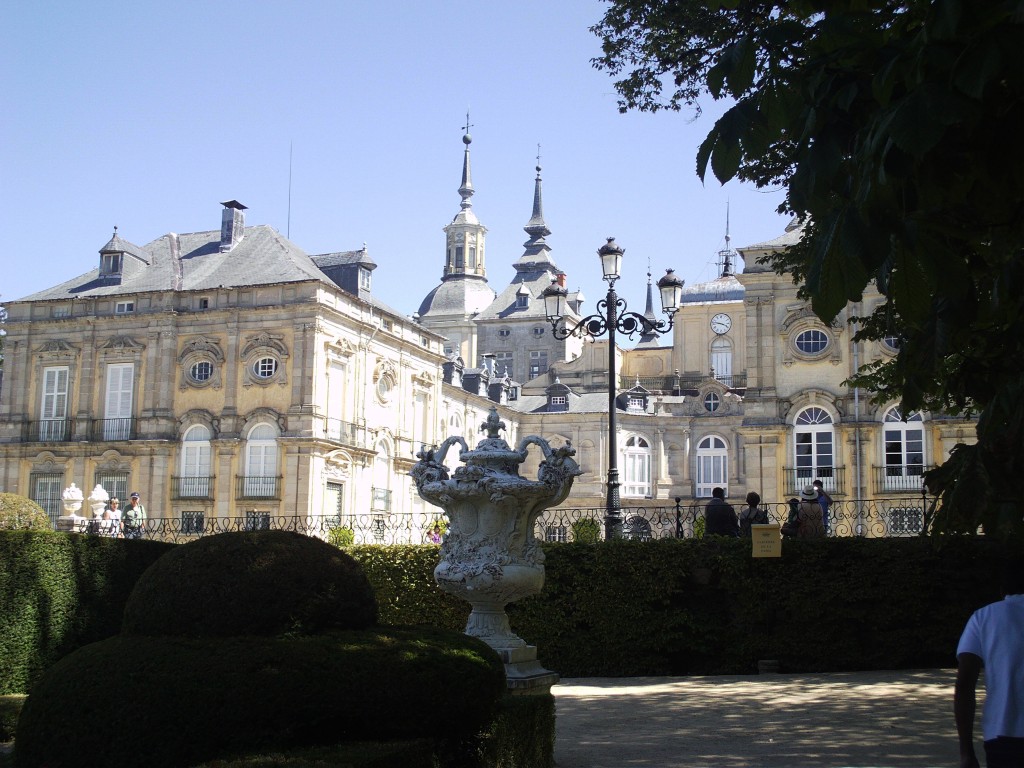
(994, 638)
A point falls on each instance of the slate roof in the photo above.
(464, 296)
(343, 258)
(193, 262)
(794, 231)
(720, 289)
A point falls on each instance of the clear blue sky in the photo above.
(148, 114)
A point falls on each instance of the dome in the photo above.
(457, 297)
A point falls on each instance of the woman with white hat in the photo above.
(810, 522)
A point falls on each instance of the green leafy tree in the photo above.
(893, 126)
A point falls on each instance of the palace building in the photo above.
(226, 373)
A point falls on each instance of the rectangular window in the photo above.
(460, 259)
(538, 364)
(559, 400)
(117, 420)
(364, 278)
(257, 521)
(204, 303)
(555, 533)
(193, 522)
(53, 422)
(45, 490)
(114, 483)
(334, 501)
(124, 307)
(635, 404)
(503, 364)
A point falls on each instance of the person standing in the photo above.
(112, 517)
(825, 501)
(994, 639)
(809, 519)
(720, 517)
(134, 517)
(752, 514)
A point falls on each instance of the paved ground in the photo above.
(843, 720)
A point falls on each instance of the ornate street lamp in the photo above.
(611, 317)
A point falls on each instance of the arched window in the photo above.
(195, 463)
(261, 463)
(721, 360)
(712, 466)
(637, 467)
(814, 444)
(904, 450)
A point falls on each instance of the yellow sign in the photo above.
(767, 540)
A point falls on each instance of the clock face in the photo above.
(721, 323)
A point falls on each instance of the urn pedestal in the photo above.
(490, 556)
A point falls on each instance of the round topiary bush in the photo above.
(196, 699)
(18, 513)
(250, 583)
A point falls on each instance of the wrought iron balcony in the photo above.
(50, 430)
(833, 479)
(258, 487)
(345, 432)
(192, 487)
(672, 382)
(901, 478)
(113, 430)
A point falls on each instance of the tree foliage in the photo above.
(893, 127)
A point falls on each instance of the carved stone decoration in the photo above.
(201, 349)
(56, 349)
(260, 346)
(121, 347)
(489, 556)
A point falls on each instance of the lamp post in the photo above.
(612, 316)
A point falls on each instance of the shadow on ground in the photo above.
(845, 720)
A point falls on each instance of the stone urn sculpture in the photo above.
(490, 556)
(72, 500)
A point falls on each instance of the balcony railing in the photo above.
(670, 383)
(113, 430)
(192, 487)
(833, 479)
(258, 487)
(901, 478)
(51, 430)
(345, 432)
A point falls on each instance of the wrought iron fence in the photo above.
(877, 518)
(874, 518)
(370, 528)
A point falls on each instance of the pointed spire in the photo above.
(466, 190)
(536, 226)
(725, 255)
(536, 248)
(650, 338)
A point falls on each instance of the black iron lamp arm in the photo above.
(595, 325)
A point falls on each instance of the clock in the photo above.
(721, 323)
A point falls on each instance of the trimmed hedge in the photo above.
(682, 606)
(243, 695)
(19, 513)
(613, 608)
(250, 583)
(59, 592)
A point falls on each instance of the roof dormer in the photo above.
(112, 256)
